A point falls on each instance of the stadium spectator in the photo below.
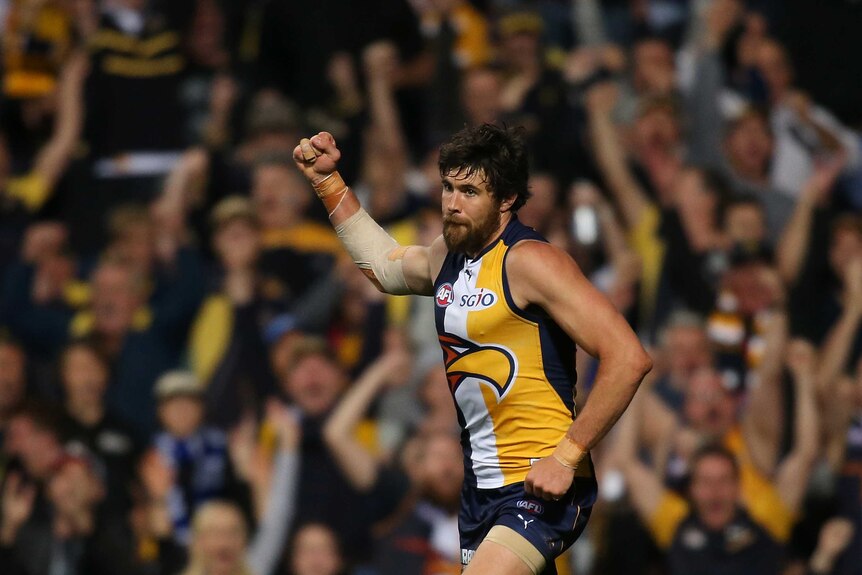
(197, 455)
(532, 93)
(769, 485)
(139, 238)
(683, 350)
(712, 533)
(437, 472)
(37, 38)
(49, 501)
(315, 550)
(839, 394)
(459, 37)
(297, 254)
(700, 160)
(433, 464)
(741, 147)
(226, 345)
(221, 540)
(84, 377)
(804, 132)
(314, 384)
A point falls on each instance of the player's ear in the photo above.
(506, 204)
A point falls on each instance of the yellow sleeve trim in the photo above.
(665, 521)
(210, 335)
(28, 84)
(758, 492)
(645, 241)
(82, 324)
(305, 237)
(367, 435)
(31, 190)
(76, 294)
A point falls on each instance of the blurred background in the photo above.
(194, 378)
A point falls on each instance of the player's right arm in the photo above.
(391, 267)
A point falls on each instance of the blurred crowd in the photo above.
(195, 379)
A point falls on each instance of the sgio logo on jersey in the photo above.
(483, 299)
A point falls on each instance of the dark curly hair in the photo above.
(498, 154)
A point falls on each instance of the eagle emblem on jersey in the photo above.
(491, 364)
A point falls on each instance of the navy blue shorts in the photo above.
(550, 526)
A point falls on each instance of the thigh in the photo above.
(493, 558)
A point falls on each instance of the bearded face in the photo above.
(471, 213)
(470, 236)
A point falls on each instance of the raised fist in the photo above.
(317, 157)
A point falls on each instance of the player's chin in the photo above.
(455, 236)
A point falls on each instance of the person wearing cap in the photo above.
(197, 454)
(226, 346)
(533, 93)
(223, 541)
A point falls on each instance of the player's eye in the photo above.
(447, 186)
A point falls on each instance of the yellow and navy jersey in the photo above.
(510, 371)
(34, 41)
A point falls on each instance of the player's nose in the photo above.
(451, 203)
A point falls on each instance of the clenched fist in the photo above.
(317, 157)
(549, 479)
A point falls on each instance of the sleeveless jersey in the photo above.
(510, 371)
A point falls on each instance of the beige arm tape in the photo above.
(514, 542)
(569, 453)
(375, 250)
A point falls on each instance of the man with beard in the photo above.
(510, 309)
(425, 538)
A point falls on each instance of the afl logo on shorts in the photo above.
(530, 506)
(445, 296)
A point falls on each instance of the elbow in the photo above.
(630, 363)
(332, 433)
(196, 160)
(808, 454)
(640, 364)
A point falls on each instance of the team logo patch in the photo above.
(738, 537)
(533, 507)
(483, 299)
(445, 295)
(694, 538)
(491, 364)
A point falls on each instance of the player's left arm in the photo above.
(543, 275)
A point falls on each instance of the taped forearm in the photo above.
(374, 251)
